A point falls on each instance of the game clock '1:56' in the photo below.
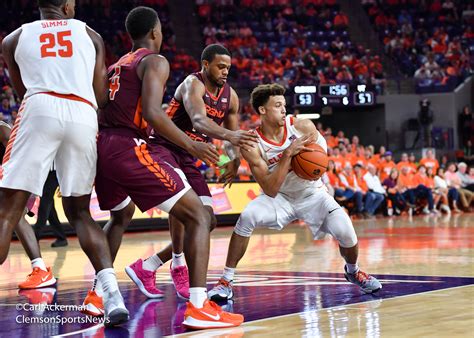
(340, 94)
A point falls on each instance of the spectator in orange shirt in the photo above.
(412, 160)
(341, 21)
(337, 159)
(351, 190)
(331, 140)
(379, 156)
(359, 158)
(406, 187)
(430, 160)
(405, 163)
(421, 181)
(355, 143)
(386, 166)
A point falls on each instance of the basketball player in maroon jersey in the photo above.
(201, 104)
(61, 85)
(130, 169)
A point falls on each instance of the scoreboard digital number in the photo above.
(364, 99)
(304, 100)
(336, 90)
(334, 95)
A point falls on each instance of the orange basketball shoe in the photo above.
(210, 316)
(38, 279)
(93, 305)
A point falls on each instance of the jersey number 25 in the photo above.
(49, 40)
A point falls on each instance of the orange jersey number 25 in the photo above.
(49, 41)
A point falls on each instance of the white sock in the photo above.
(352, 268)
(152, 263)
(106, 278)
(178, 260)
(228, 274)
(97, 287)
(38, 263)
(197, 296)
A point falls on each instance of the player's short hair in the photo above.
(210, 52)
(51, 3)
(140, 21)
(261, 94)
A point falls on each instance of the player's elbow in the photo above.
(270, 191)
(199, 123)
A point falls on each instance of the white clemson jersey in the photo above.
(57, 56)
(293, 186)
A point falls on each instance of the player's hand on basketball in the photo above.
(230, 170)
(244, 139)
(205, 151)
(300, 144)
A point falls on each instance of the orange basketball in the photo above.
(310, 165)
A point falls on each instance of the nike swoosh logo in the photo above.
(43, 279)
(216, 317)
(334, 210)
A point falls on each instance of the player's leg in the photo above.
(41, 275)
(175, 252)
(278, 213)
(94, 243)
(76, 162)
(324, 214)
(12, 206)
(200, 313)
(26, 163)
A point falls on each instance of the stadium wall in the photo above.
(446, 107)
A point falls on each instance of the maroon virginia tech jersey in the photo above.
(216, 107)
(124, 110)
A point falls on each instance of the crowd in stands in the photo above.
(289, 42)
(431, 40)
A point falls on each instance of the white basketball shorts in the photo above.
(50, 128)
(319, 210)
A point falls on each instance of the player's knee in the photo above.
(197, 217)
(245, 225)
(342, 229)
(347, 237)
(124, 216)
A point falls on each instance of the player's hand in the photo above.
(299, 145)
(244, 139)
(205, 151)
(230, 172)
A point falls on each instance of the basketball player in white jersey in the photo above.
(41, 275)
(57, 67)
(286, 197)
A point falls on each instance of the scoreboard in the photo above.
(334, 95)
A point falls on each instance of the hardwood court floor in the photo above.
(288, 285)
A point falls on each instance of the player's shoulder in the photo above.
(154, 61)
(305, 126)
(12, 37)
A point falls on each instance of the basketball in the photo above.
(310, 165)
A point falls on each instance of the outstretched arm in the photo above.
(100, 82)
(154, 71)
(8, 50)
(193, 91)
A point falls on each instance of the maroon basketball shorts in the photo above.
(183, 160)
(130, 169)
